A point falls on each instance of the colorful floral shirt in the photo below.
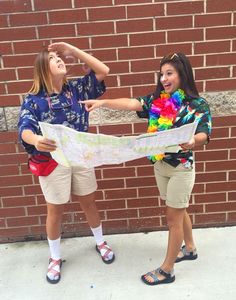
(190, 110)
(60, 108)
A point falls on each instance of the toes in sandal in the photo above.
(168, 277)
(186, 255)
(104, 251)
(54, 275)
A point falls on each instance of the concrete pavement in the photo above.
(85, 277)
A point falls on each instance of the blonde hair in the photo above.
(42, 78)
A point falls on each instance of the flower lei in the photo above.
(162, 114)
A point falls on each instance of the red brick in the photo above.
(92, 3)
(232, 154)
(143, 90)
(98, 28)
(118, 172)
(24, 33)
(29, 47)
(216, 187)
(18, 6)
(219, 32)
(138, 39)
(146, 202)
(3, 21)
(217, 5)
(232, 175)
(198, 188)
(140, 181)
(9, 100)
(220, 132)
(221, 165)
(110, 41)
(142, 11)
(210, 198)
(233, 131)
(25, 73)
(222, 144)
(151, 211)
(220, 85)
(62, 16)
(47, 5)
(220, 59)
(9, 170)
(134, 25)
(137, 79)
(227, 121)
(12, 212)
(195, 209)
(11, 191)
(8, 74)
(16, 87)
(164, 23)
(185, 35)
(210, 218)
(117, 68)
(231, 217)
(210, 20)
(53, 31)
(122, 214)
(32, 190)
(211, 47)
(211, 177)
(120, 194)
(114, 204)
(7, 148)
(23, 221)
(110, 184)
(212, 73)
(18, 201)
(144, 224)
(5, 48)
(11, 233)
(12, 159)
(162, 50)
(2, 223)
(211, 155)
(114, 224)
(144, 65)
(217, 207)
(115, 129)
(187, 7)
(146, 192)
(105, 55)
(145, 171)
(17, 20)
(138, 162)
(19, 60)
(135, 53)
(16, 180)
(106, 13)
(37, 210)
(118, 2)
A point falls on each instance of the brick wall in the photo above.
(130, 36)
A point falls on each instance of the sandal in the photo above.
(54, 271)
(169, 277)
(187, 255)
(104, 250)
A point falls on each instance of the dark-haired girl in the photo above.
(174, 103)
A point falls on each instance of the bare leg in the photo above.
(175, 219)
(89, 207)
(54, 219)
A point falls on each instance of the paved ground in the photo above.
(86, 277)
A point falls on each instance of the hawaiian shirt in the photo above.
(60, 108)
(191, 110)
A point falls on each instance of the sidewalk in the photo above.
(85, 277)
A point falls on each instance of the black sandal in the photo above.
(169, 277)
(192, 255)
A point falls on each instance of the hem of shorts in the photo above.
(173, 205)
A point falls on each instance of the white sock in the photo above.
(98, 235)
(55, 248)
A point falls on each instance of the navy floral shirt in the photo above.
(60, 108)
(191, 110)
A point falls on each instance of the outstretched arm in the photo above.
(120, 103)
(65, 49)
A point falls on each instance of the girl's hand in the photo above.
(62, 49)
(92, 104)
(188, 146)
(43, 144)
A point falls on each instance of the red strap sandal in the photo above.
(104, 251)
(54, 271)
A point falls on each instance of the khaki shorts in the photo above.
(58, 186)
(175, 184)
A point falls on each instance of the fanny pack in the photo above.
(41, 165)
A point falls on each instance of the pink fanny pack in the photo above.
(41, 165)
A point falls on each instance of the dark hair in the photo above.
(182, 65)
